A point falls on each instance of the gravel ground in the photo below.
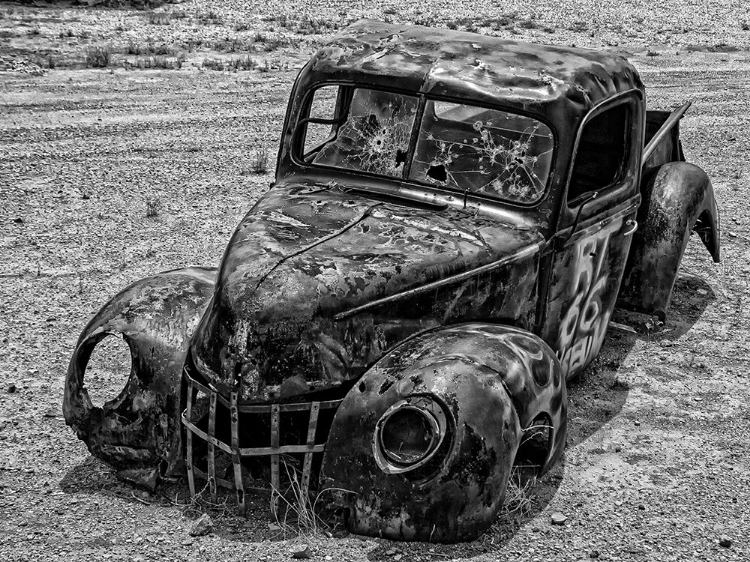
(657, 461)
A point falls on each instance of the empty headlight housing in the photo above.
(409, 434)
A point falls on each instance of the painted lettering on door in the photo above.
(585, 323)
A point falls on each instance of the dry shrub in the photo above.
(98, 56)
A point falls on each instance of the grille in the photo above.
(312, 445)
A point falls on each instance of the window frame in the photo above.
(297, 148)
(624, 99)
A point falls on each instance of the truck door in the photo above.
(594, 232)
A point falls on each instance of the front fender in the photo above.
(138, 432)
(484, 385)
(677, 199)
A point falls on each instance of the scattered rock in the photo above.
(725, 541)
(301, 551)
(202, 526)
(558, 518)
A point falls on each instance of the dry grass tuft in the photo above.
(153, 207)
(98, 56)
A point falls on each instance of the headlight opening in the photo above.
(410, 434)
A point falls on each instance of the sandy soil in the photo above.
(656, 466)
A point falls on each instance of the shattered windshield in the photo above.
(458, 146)
(375, 135)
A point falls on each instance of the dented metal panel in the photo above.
(138, 431)
(678, 198)
(304, 257)
(464, 65)
(489, 382)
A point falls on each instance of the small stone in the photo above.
(301, 551)
(274, 527)
(725, 541)
(202, 526)
(391, 552)
(187, 542)
(636, 423)
(558, 518)
(618, 449)
(641, 507)
(11, 388)
(594, 554)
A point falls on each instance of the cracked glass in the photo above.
(485, 151)
(375, 136)
(458, 146)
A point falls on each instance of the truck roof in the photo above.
(532, 77)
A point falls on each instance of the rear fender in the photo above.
(483, 384)
(138, 431)
(677, 200)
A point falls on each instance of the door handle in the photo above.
(633, 224)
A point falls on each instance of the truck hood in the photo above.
(317, 283)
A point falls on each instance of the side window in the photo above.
(602, 152)
(323, 106)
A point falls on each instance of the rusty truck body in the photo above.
(453, 219)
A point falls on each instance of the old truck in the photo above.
(453, 219)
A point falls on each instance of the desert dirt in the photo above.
(111, 174)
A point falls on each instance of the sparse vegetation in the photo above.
(97, 56)
(259, 161)
(213, 64)
(210, 18)
(45, 61)
(242, 63)
(134, 48)
(153, 207)
(159, 18)
(579, 26)
(159, 62)
(518, 495)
